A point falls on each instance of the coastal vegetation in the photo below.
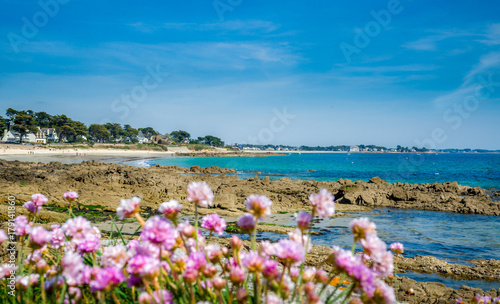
(72, 131)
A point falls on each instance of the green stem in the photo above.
(254, 237)
(196, 225)
(396, 276)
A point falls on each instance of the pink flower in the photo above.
(39, 237)
(289, 251)
(200, 193)
(22, 282)
(308, 273)
(196, 260)
(323, 203)
(70, 196)
(384, 293)
(190, 275)
(236, 242)
(170, 209)
(145, 298)
(385, 266)
(115, 256)
(218, 283)
(76, 228)
(361, 228)
(128, 207)
(21, 225)
(157, 230)
(58, 237)
(267, 248)
(252, 261)
(271, 269)
(3, 236)
(397, 248)
(214, 223)
(105, 278)
(273, 299)
(32, 207)
(259, 206)
(374, 247)
(297, 236)
(210, 270)
(72, 265)
(186, 229)
(237, 275)
(162, 297)
(39, 199)
(143, 266)
(246, 223)
(213, 252)
(303, 220)
(91, 242)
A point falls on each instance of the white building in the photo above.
(47, 135)
(13, 137)
(141, 138)
(354, 149)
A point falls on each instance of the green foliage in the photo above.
(180, 136)
(99, 133)
(22, 122)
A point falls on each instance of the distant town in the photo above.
(29, 127)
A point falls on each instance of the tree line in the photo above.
(69, 130)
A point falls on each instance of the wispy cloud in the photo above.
(430, 42)
(487, 64)
(242, 27)
(492, 35)
(214, 56)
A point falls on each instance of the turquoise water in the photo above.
(471, 169)
(456, 238)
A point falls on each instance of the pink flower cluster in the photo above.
(214, 223)
(323, 202)
(35, 205)
(369, 269)
(172, 259)
(200, 194)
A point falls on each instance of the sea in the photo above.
(469, 169)
(456, 238)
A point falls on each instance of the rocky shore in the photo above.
(102, 185)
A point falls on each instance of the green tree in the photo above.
(43, 120)
(211, 140)
(99, 133)
(180, 136)
(68, 129)
(148, 132)
(130, 132)
(22, 122)
(4, 125)
(115, 129)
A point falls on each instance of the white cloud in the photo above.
(242, 27)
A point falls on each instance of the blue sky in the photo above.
(426, 74)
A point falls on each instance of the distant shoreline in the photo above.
(117, 155)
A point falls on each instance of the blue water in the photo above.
(456, 238)
(471, 169)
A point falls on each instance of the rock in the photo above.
(376, 180)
